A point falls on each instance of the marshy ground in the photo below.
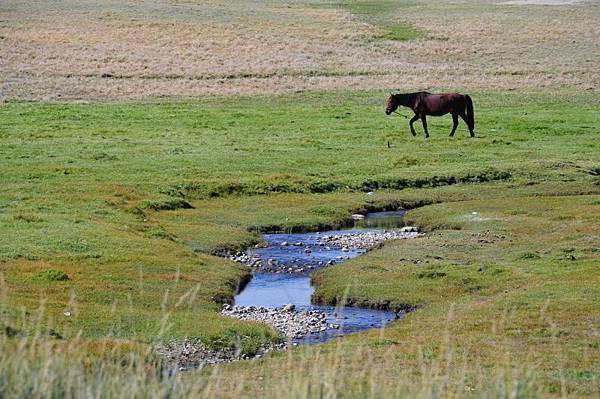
(127, 168)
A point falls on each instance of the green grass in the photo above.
(400, 32)
(481, 306)
(384, 15)
(132, 200)
(297, 143)
(478, 255)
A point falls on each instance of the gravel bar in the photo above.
(291, 323)
(345, 243)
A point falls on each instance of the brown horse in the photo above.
(424, 103)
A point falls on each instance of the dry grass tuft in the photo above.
(35, 365)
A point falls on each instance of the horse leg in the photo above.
(464, 118)
(424, 125)
(454, 124)
(412, 129)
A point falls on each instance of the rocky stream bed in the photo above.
(280, 293)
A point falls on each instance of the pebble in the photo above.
(369, 239)
(192, 354)
(286, 319)
(357, 242)
(290, 307)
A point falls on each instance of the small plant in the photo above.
(431, 274)
(400, 32)
(28, 218)
(324, 210)
(169, 204)
(52, 275)
(529, 256)
(406, 161)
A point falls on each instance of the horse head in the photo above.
(392, 104)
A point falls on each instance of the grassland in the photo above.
(113, 209)
(133, 215)
(88, 50)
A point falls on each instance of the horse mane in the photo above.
(408, 99)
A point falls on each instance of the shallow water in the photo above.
(279, 289)
(275, 290)
(382, 220)
(294, 254)
(271, 290)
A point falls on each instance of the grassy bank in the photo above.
(529, 264)
(507, 304)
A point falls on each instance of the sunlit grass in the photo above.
(400, 32)
(266, 47)
(35, 365)
(130, 201)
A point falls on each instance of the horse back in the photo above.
(443, 103)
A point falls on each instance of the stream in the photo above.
(293, 257)
(279, 293)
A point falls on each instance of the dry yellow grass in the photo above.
(61, 50)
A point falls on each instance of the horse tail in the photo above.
(470, 114)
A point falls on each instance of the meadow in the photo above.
(120, 194)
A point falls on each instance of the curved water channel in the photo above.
(272, 290)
